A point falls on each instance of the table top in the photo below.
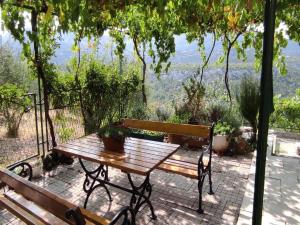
(141, 156)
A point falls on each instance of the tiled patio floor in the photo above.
(174, 197)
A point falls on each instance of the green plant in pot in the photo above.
(222, 131)
(113, 137)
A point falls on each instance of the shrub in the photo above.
(248, 98)
(13, 104)
(107, 94)
(194, 100)
(287, 113)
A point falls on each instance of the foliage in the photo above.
(287, 113)
(248, 98)
(216, 111)
(106, 94)
(62, 90)
(138, 110)
(223, 128)
(113, 131)
(177, 119)
(162, 113)
(13, 105)
(12, 69)
(194, 99)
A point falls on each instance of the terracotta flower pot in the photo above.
(220, 144)
(113, 144)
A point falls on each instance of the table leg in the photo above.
(94, 179)
(141, 195)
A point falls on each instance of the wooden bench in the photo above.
(34, 205)
(181, 165)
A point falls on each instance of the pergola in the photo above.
(266, 105)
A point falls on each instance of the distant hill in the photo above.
(184, 63)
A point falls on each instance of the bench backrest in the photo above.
(45, 199)
(170, 128)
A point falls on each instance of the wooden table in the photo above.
(140, 157)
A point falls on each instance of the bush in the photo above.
(248, 98)
(13, 104)
(287, 113)
(194, 100)
(107, 94)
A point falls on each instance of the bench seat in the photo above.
(182, 166)
(35, 205)
(179, 164)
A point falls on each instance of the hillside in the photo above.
(184, 63)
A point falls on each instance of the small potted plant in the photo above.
(222, 131)
(113, 137)
(37, 168)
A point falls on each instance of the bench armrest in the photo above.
(23, 169)
(127, 214)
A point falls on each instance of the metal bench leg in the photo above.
(200, 186)
(23, 169)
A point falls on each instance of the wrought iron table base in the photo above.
(99, 178)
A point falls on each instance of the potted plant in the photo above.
(113, 137)
(37, 168)
(222, 131)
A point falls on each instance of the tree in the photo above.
(248, 98)
(13, 104)
(12, 69)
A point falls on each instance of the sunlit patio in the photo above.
(174, 197)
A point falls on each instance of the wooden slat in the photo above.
(101, 156)
(170, 128)
(192, 166)
(127, 167)
(161, 146)
(188, 160)
(19, 212)
(93, 218)
(128, 154)
(34, 209)
(179, 170)
(142, 151)
(43, 198)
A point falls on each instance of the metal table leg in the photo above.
(99, 178)
(141, 195)
(94, 179)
